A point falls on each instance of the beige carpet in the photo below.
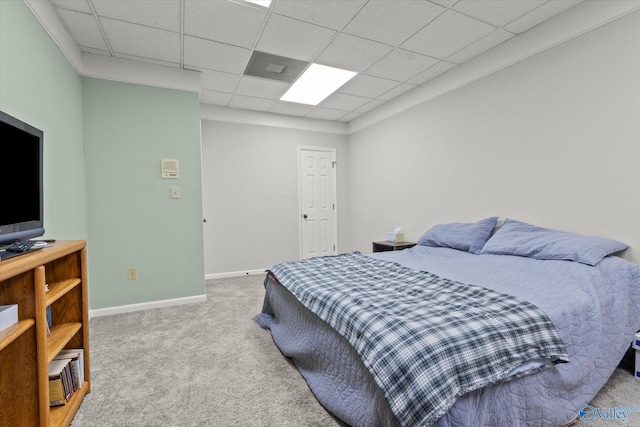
(209, 364)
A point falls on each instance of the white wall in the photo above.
(553, 140)
(250, 184)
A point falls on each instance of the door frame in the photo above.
(334, 168)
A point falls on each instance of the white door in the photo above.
(318, 215)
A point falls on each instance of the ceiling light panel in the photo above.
(315, 84)
(263, 3)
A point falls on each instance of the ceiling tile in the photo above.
(294, 39)
(352, 53)
(142, 41)
(84, 28)
(385, 22)
(374, 103)
(261, 88)
(77, 5)
(432, 72)
(251, 103)
(487, 42)
(396, 91)
(214, 56)
(393, 45)
(218, 81)
(291, 108)
(449, 33)
(445, 3)
(497, 12)
(342, 101)
(367, 86)
(215, 98)
(148, 60)
(326, 114)
(540, 14)
(400, 65)
(164, 14)
(224, 21)
(349, 117)
(333, 14)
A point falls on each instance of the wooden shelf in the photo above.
(59, 289)
(60, 336)
(63, 415)
(14, 332)
(25, 348)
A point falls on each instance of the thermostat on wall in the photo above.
(170, 168)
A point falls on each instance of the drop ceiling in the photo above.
(394, 45)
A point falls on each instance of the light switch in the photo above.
(175, 192)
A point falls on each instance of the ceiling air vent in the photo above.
(274, 67)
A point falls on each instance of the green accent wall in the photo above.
(133, 222)
(39, 86)
(102, 149)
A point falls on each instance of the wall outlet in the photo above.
(132, 273)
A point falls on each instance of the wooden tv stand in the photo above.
(26, 348)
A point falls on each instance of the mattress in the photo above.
(595, 310)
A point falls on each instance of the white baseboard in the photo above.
(235, 274)
(108, 311)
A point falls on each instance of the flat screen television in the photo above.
(21, 198)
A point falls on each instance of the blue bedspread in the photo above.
(425, 339)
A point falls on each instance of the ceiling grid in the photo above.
(394, 45)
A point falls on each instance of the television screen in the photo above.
(21, 199)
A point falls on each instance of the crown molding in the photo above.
(46, 15)
(234, 115)
(124, 70)
(105, 67)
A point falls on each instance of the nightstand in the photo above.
(391, 246)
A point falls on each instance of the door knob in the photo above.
(304, 216)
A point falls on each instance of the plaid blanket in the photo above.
(425, 339)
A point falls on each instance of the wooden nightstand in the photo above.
(391, 246)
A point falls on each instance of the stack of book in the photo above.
(8, 315)
(66, 375)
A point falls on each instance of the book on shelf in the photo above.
(49, 320)
(66, 375)
(8, 315)
(58, 382)
(76, 357)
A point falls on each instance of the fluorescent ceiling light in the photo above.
(315, 84)
(264, 3)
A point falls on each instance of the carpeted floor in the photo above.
(209, 364)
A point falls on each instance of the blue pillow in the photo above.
(519, 238)
(469, 237)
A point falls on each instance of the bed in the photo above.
(572, 284)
